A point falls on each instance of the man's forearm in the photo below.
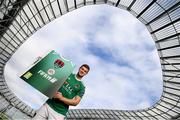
(67, 101)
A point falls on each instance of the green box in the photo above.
(49, 73)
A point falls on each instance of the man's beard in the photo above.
(79, 76)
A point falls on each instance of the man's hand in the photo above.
(58, 95)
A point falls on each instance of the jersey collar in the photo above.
(77, 78)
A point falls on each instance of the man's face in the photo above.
(82, 71)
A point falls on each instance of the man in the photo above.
(69, 94)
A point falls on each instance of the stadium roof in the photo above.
(19, 19)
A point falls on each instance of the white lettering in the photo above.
(46, 76)
(53, 80)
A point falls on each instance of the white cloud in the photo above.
(22, 90)
(108, 85)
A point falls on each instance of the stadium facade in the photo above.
(19, 19)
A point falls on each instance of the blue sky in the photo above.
(125, 69)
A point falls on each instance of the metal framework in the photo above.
(19, 19)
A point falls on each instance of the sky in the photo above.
(125, 68)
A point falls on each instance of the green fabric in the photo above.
(71, 88)
(47, 75)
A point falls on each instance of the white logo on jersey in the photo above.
(51, 71)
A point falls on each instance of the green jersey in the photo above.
(72, 87)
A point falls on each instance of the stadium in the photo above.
(19, 19)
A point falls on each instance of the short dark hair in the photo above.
(86, 66)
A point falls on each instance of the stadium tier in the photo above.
(19, 19)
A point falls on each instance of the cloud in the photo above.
(22, 90)
(125, 68)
